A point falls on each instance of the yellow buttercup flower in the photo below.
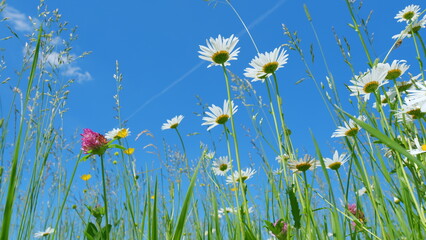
(129, 151)
(86, 177)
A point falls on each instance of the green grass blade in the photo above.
(387, 141)
(13, 174)
(177, 234)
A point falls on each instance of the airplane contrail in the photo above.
(167, 88)
(194, 68)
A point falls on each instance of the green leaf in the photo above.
(177, 234)
(295, 210)
(91, 231)
(83, 159)
(105, 231)
(116, 146)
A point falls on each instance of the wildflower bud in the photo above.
(396, 200)
(114, 162)
(74, 206)
(287, 132)
(283, 227)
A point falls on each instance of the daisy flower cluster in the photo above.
(222, 166)
(411, 15)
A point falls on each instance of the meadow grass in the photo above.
(372, 188)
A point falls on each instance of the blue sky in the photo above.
(156, 43)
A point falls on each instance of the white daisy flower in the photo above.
(409, 111)
(250, 209)
(277, 171)
(172, 123)
(221, 166)
(411, 29)
(210, 155)
(245, 175)
(363, 190)
(394, 70)
(224, 211)
(282, 158)
(419, 148)
(396, 200)
(409, 13)
(117, 133)
(349, 130)
(303, 164)
(368, 83)
(409, 85)
(220, 50)
(47, 232)
(218, 115)
(265, 64)
(418, 96)
(337, 161)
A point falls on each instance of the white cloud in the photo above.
(54, 59)
(76, 73)
(19, 20)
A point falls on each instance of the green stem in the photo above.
(274, 116)
(346, 198)
(421, 42)
(234, 135)
(286, 134)
(419, 59)
(104, 194)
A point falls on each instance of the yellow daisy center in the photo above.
(174, 125)
(424, 147)
(415, 29)
(45, 234)
(408, 15)
(222, 119)
(223, 167)
(122, 133)
(416, 113)
(404, 86)
(243, 178)
(303, 166)
(335, 165)
(371, 86)
(351, 132)
(270, 67)
(220, 57)
(393, 74)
